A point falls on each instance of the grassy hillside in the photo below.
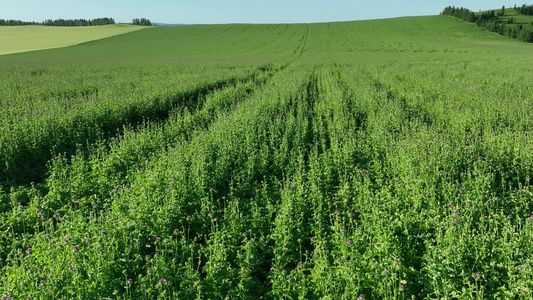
(386, 159)
(420, 34)
(14, 39)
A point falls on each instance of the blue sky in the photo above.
(233, 11)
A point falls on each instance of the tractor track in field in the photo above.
(299, 51)
(417, 113)
(336, 36)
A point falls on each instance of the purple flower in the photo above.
(90, 245)
(342, 258)
(29, 249)
(361, 295)
(401, 286)
(453, 223)
(76, 247)
(160, 280)
(215, 266)
(130, 280)
(104, 232)
(349, 241)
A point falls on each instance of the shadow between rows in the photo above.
(28, 165)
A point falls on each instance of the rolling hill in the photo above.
(411, 34)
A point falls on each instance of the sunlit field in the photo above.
(14, 39)
(386, 159)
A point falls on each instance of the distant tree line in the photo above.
(460, 12)
(16, 23)
(61, 22)
(142, 22)
(490, 21)
(525, 9)
(79, 22)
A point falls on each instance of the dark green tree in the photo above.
(142, 22)
(525, 9)
(502, 11)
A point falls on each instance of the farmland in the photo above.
(371, 159)
(14, 39)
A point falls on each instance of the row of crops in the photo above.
(349, 176)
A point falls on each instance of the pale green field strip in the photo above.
(15, 39)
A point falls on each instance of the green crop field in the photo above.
(385, 159)
(14, 39)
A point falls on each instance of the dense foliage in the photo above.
(377, 159)
(16, 23)
(79, 22)
(460, 12)
(525, 9)
(141, 21)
